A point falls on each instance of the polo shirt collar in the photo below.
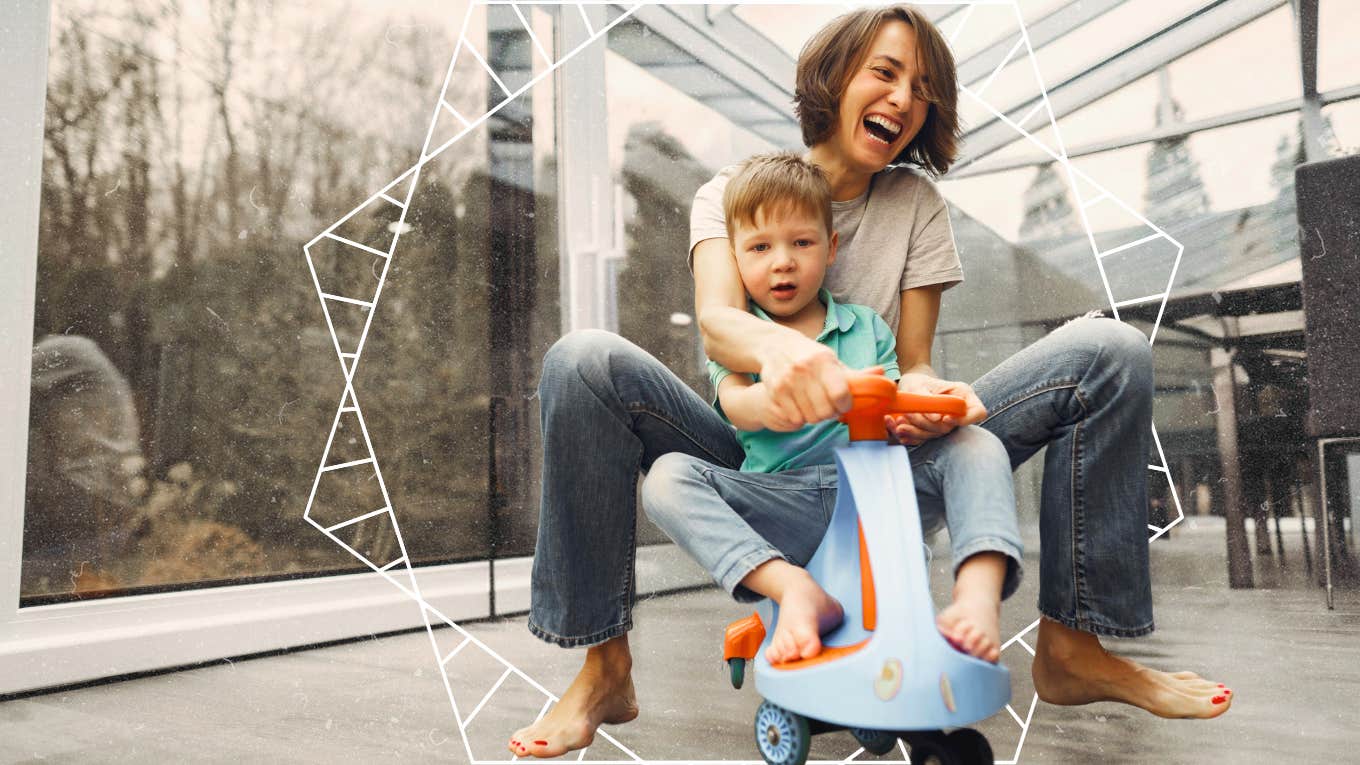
(838, 317)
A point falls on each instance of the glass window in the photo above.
(1344, 120)
(663, 145)
(185, 380)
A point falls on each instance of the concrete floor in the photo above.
(1294, 668)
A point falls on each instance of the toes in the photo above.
(808, 646)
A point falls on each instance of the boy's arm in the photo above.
(748, 407)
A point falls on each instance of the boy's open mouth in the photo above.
(881, 128)
(784, 290)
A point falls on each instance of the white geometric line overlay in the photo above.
(367, 533)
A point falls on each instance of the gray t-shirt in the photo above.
(893, 237)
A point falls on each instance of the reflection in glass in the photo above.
(184, 377)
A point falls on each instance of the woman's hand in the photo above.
(805, 381)
(914, 429)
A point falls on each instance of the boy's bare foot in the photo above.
(601, 693)
(1071, 668)
(806, 612)
(973, 625)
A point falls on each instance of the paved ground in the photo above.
(1294, 667)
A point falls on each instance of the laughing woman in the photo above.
(876, 98)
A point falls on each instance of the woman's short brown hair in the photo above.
(832, 56)
(777, 184)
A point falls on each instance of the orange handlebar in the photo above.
(876, 396)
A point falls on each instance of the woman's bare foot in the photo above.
(601, 693)
(973, 625)
(806, 611)
(1071, 668)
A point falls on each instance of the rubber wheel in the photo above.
(932, 750)
(876, 742)
(736, 667)
(782, 737)
(970, 747)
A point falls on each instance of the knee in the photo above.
(1118, 351)
(980, 448)
(665, 482)
(583, 356)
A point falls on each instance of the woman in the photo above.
(875, 87)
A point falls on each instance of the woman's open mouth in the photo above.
(882, 129)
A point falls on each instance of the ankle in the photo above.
(611, 657)
(1062, 643)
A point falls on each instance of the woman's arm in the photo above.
(915, 336)
(804, 380)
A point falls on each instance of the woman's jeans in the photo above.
(610, 411)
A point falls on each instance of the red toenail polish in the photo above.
(1221, 685)
(541, 743)
(1220, 699)
(1227, 693)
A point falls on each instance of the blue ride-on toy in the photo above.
(886, 673)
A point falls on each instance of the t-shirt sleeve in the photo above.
(885, 344)
(706, 219)
(932, 257)
(716, 374)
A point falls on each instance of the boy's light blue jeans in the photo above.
(610, 411)
(730, 522)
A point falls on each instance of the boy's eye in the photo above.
(761, 247)
(804, 242)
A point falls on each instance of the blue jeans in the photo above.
(609, 411)
(730, 522)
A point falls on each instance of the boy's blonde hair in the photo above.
(776, 184)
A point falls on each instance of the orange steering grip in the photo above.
(875, 396)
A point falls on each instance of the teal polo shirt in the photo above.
(860, 338)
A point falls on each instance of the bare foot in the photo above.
(806, 612)
(1072, 668)
(601, 693)
(973, 625)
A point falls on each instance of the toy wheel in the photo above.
(736, 667)
(970, 747)
(932, 750)
(782, 737)
(877, 742)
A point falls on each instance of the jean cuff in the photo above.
(1098, 628)
(1015, 571)
(583, 641)
(747, 562)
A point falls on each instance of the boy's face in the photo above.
(783, 255)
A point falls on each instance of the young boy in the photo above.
(755, 528)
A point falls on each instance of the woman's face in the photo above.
(882, 107)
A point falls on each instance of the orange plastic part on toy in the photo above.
(743, 638)
(874, 397)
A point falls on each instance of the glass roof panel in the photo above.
(1097, 41)
(1338, 55)
(1254, 65)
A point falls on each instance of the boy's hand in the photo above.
(805, 381)
(914, 429)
